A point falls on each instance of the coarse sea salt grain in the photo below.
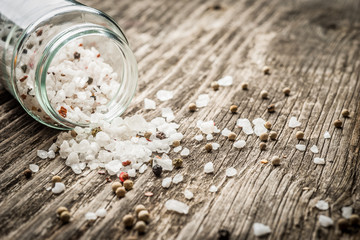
(59, 187)
(259, 127)
(319, 161)
(166, 182)
(325, 221)
(346, 212)
(42, 154)
(34, 168)
(185, 152)
(213, 189)
(245, 125)
(188, 194)
(51, 154)
(230, 172)
(293, 123)
(143, 168)
(261, 229)
(199, 137)
(209, 167)
(322, 205)
(206, 127)
(225, 132)
(149, 104)
(90, 216)
(165, 162)
(164, 95)
(239, 144)
(225, 81)
(314, 149)
(178, 178)
(300, 147)
(202, 100)
(101, 212)
(132, 172)
(327, 135)
(177, 206)
(209, 137)
(177, 149)
(168, 114)
(215, 146)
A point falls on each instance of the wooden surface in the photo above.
(311, 46)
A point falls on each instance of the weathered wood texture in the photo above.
(311, 46)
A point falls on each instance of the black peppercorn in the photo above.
(160, 135)
(76, 55)
(223, 234)
(28, 173)
(157, 170)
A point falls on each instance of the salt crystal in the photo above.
(261, 229)
(177, 149)
(185, 152)
(206, 127)
(259, 127)
(327, 135)
(149, 104)
(178, 178)
(300, 147)
(166, 182)
(215, 146)
(143, 168)
(293, 123)
(168, 114)
(246, 125)
(325, 221)
(202, 100)
(48, 188)
(209, 137)
(188, 194)
(216, 130)
(51, 154)
(177, 206)
(314, 149)
(239, 144)
(59, 187)
(213, 189)
(225, 81)
(101, 212)
(225, 132)
(165, 162)
(199, 137)
(230, 172)
(209, 167)
(113, 167)
(132, 173)
(164, 95)
(90, 216)
(322, 205)
(320, 161)
(346, 212)
(34, 168)
(102, 138)
(42, 154)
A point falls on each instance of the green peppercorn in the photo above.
(147, 135)
(208, 147)
(176, 143)
(94, 131)
(177, 162)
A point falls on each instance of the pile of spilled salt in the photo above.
(209, 167)
(188, 194)
(177, 206)
(261, 229)
(164, 95)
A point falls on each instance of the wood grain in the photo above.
(311, 46)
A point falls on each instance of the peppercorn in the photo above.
(300, 135)
(144, 216)
(65, 216)
(338, 123)
(273, 135)
(60, 210)
(271, 108)
(123, 176)
(245, 86)
(140, 226)
(192, 107)
(28, 173)
(76, 55)
(94, 131)
(345, 113)
(176, 143)
(223, 234)
(120, 192)
(147, 135)
(233, 108)
(354, 220)
(215, 85)
(264, 137)
(157, 170)
(343, 224)
(55, 179)
(160, 135)
(264, 94)
(268, 125)
(139, 208)
(262, 146)
(128, 184)
(177, 162)
(266, 70)
(286, 91)
(128, 220)
(115, 186)
(208, 147)
(275, 161)
(232, 136)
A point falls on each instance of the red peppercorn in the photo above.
(63, 112)
(127, 162)
(123, 176)
(98, 55)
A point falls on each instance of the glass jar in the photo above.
(66, 63)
